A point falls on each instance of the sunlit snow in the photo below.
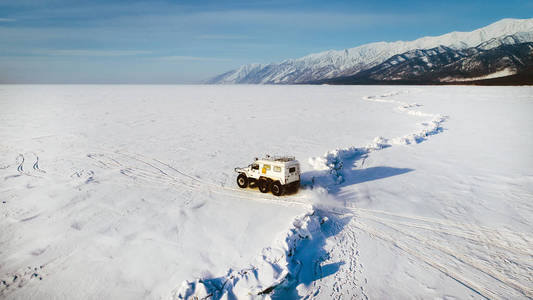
(128, 192)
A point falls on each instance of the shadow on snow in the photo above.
(308, 263)
(337, 177)
(357, 176)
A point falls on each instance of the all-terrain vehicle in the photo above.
(271, 173)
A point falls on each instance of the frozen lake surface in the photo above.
(128, 191)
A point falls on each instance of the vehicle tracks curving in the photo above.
(20, 160)
(161, 174)
(477, 250)
(36, 165)
(20, 167)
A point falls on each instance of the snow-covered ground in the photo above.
(128, 192)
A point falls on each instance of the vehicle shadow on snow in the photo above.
(357, 176)
(334, 180)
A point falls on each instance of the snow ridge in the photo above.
(338, 63)
(334, 160)
(273, 268)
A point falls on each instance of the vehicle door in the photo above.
(254, 170)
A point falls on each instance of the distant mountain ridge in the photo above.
(442, 65)
(321, 67)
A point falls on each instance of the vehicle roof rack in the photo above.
(280, 158)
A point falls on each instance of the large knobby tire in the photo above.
(293, 187)
(276, 188)
(252, 183)
(263, 185)
(242, 181)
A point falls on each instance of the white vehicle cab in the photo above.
(272, 173)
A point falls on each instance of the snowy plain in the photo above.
(128, 191)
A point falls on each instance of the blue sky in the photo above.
(70, 41)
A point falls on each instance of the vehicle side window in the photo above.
(277, 169)
(267, 167)
(292, 169)
(255, 167)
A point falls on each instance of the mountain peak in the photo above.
(346, 62)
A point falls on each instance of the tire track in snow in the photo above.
(196, 182)
(152, 174)
(161, 174)
(36, 164)
(500, 255)
(20, 167)
(493, 271)
(427, 259)
(498, 238)
(425, 248)
(20, 161)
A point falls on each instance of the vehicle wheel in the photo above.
(252, 183)
(276, 188)
(263, 185)
(296, 186)
(242, 181)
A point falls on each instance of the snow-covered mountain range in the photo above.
(446, 65)
(343, 63)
